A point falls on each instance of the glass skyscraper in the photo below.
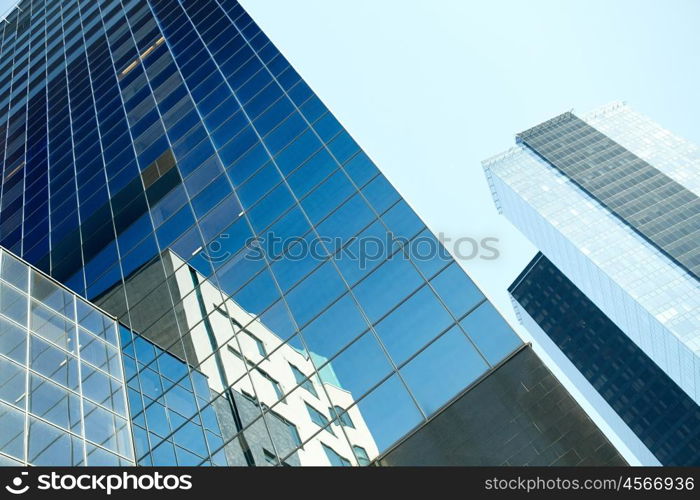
(660, 422)
(611, 200)
(275, 300)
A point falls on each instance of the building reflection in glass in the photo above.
(183, 415)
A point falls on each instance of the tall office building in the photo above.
(274, 298)
(656, 419)
(611, 200)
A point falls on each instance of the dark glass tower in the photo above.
(663, 417)
(162, 159)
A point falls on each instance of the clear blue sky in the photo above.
(6, 6)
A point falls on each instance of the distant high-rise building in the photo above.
(164, 161)
(611, 200)
(656, 419)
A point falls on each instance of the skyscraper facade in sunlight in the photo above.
(611, 200)
(163, 160)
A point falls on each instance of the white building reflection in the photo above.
(310, 419)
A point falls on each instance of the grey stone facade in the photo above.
(519, 414)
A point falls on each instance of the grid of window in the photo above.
(146, 145)
(660, 209)
(62, 399)
(163, 392)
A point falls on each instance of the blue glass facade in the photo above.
(664, 418)
(162, 393)
(162, 159)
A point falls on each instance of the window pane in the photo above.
(12, 382)
(52, 295)
(97, 457)
(446, 367)
(13, 304)
(456, 290)
(358, 367)
(413, 324)
(13, 341)
(100, 354)
(389, 412)
(96, 322)
(361, 455)
(55, 404)
(54, 363)
(12, 435)
(15, 272)
(301, 379)
(52, 326)
(51, 446)
(334, 328)
(107, 430)
(314, 293)
(384, 288)
(335, 459)
(489, 331)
